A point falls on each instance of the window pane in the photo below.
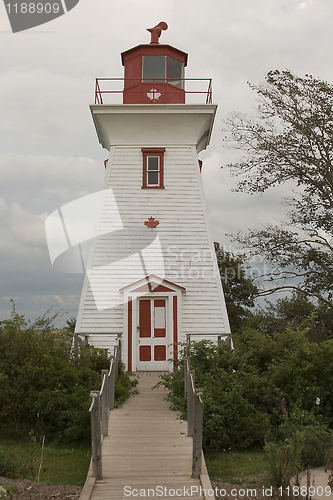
(153, 162)
(175, 72)
(152, 177)
(153, 67)
(159, 317)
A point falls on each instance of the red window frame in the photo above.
(146, 153)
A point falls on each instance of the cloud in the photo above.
(304, 4)
(41, 184)
(50, 153)
(59, 299)
(230, 212)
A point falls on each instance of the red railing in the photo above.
(100, 92)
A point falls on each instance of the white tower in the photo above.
(153, 277)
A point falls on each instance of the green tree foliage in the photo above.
(71, 322)
(42, 389)
(290, 140)
(239, 290)
(243, 389)
(296, 311)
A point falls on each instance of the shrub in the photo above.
(42, 387)
(306, 448)
(284, 461)
(316, 442)
(124, 385)
(243, 390)
(15, 464)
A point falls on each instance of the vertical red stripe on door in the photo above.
(175, 329)
(144, 318)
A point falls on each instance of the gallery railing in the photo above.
(195, 86)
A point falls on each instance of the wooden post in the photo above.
(186, 362)
(188, 346)
(112, 382)
(186, 365)
(96, 448)
(116, 359)
(197, 433)
(190, 401)
(104, 397)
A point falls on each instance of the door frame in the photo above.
(153, 365)
(151, 287)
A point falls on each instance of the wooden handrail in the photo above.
(194, 414)
(101, 403)
(96, 447)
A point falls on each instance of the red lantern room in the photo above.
(154, 73)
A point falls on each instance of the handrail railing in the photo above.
(195, 405)
(101, 403)
(194, 414)
(99, 92)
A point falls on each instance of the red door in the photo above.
(152, 338)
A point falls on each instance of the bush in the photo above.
(243, 390)
(230, 419)
(43, 389)
(124, 385)
(316, 442)
(284, 461)
(306, 448)
(15, 464)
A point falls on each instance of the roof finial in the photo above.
(157, 31)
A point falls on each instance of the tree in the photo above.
(290, 139)
(71, 322)
(297, 311)
(239, 290)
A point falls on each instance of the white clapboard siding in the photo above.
(188, 256)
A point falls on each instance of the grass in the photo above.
(68, 464)
(61, 464)
(233, 467)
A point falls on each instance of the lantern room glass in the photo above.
(175, 72)
(153, 68)
(161, 69)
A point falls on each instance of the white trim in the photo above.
(128, 292)
(152, 278)
(178, 124)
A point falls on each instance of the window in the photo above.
(161, 69)
(175, 72)
(153, 171)
(153, 168)
(153, 67)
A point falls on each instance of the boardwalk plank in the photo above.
(146, 450)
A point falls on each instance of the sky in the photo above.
(49, 151)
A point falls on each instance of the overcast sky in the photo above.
(49, 151)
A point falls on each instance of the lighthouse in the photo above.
(152, 278)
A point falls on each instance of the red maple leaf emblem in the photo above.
(151, 223)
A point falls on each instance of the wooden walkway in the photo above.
(147, 452)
